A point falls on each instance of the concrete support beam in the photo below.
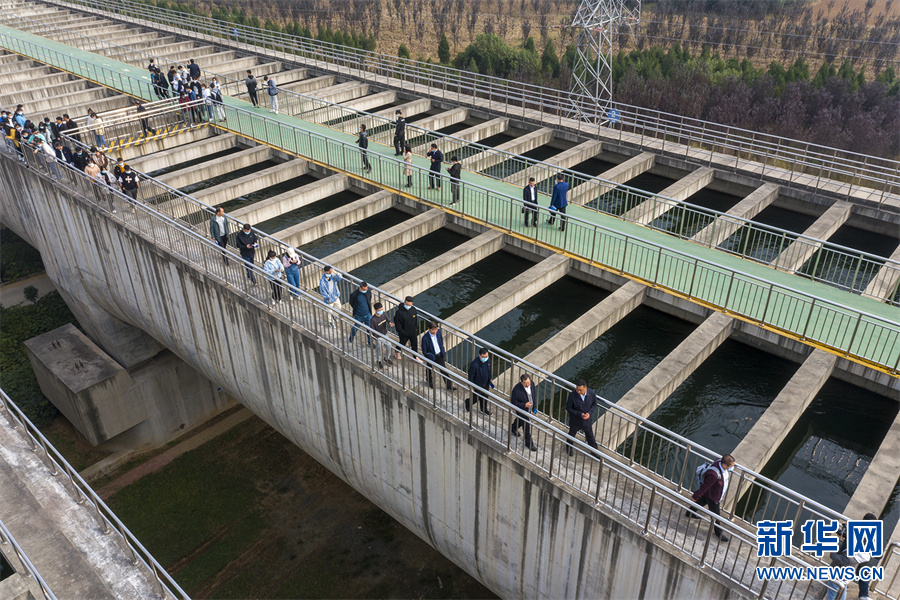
(259, 71)
(564, 160)
(341, 92)
(409, 109)
(367, 103)
(308, 85)
(491, 307)
(162, 144)
(322, 225)
(147, 163)
(658, 384)
(41, 86)
(885, 282)
(520, 145)
(721, 229)
(440, 120)
(446, 265)
(62, 102)
(878, 483)
(389, 240)
(292, 200)
(190, 175)
(679, 191)
(472, 135)
(228, 190)
(766, 436)
(622, 173)
(797, 253)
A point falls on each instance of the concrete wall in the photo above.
(517, 532)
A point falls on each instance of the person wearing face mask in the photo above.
(433, 349)
(580, 405)
(380, 323)
(331, 294)
(480, 378)
(523, 396)
(712, 489)
(406, 319)
(361, 305)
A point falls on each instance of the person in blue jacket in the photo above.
(480, 378)
(558, 202)
(433, 350)
(331, 293)
(580, 405)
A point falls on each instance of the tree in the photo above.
(529, 45)
(549, 61)
(31, 293)
(444, 50)
(403, 51)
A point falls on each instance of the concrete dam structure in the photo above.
(153, 293)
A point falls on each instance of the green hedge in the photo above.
(20, 323)
(18, 260)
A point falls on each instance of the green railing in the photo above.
(815, 259)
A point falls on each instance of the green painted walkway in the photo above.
(861, 328)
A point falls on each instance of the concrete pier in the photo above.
(880, 479)
(292, 199)
(565, 159)
(884, 284)
(646, 212)
(446, 265)
(409, 109)
(372, 101)
(503, 299)
(253, 182)
(797, 253)
(322, 225)
(439, 121)
(622, 173)
(193, 174)
(307, 85)
(766, 436)
(388, 240)
(472, 134)
(341, 92)
(153, 161)
(659, 383)
(522, 144)
(723, 228)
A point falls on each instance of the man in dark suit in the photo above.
(580, 404)
(433, 350)
(480, 378)
(399, 134)
(524, 397)
(529, 198)
(434, 173)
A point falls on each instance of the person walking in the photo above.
(363, 143)
(62, 152)
(273, 93)
(57, 128)
(455, 172)
(380, 323)
(529, 202)
(92, 170)
(184, 103)
(292, 271)
(71, 128)
(524, 397)
(99, 158)
(145, 122)
(361, 305)
(80, 159)
(331, 293)
(558, 202)
(251, 84)
(433, 350)
(130, 184)
(215, 94)
(96, 123)
(274, 269)
(193, 70)
(219, 230)
(711, 489)
(247, 243)
(407, 167)
(581, 403)
(479, 374)
(434, 174)
(399, 133)
(119, 169)
(406, 320)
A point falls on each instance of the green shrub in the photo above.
(18, 260)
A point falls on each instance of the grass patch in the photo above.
(18, 260)
(20, 323)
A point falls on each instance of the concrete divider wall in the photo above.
(519, 533)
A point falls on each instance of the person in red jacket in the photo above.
(713, 488)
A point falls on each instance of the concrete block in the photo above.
(798, 252)
(721, 229)
(292, 200)
(622, 173)
(84, 383)
(520, 145)
(681, 190)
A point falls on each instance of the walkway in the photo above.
(859, 328)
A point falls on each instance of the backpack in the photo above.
(700, 472)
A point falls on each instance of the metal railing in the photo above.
(818, 260)
(795, 162)
(109, 522)
(643, 498)
(889, 587)
(664, 453)
(7, 539)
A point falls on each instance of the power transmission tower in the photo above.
(599, 23)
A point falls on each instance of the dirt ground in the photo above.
(249, 515)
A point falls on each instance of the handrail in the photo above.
(7, 538)
(890, 561)
(83, 491)
(829, 263)
(857, 334)
(550, 106)
(597, 477)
